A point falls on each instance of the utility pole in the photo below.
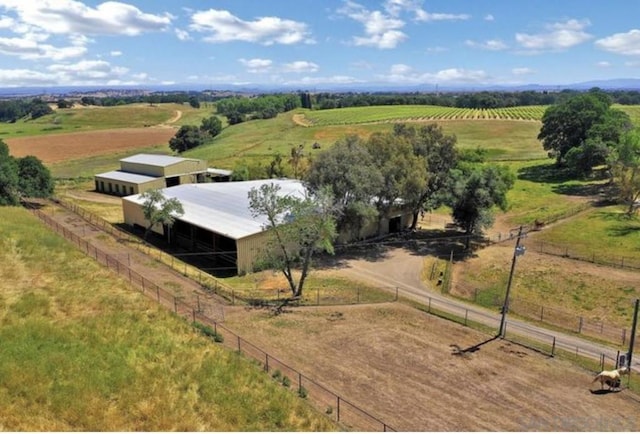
(633, 334)
(517, 251)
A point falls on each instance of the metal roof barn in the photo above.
(217, 214)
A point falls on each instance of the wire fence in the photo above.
(210, 313)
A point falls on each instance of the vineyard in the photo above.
(407, 113)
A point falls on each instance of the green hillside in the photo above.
(83, 352)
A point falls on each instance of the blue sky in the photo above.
(314, 43)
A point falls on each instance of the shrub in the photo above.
(302, 392)
(286, 382)
(277, 375)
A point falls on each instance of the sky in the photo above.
(311, 44)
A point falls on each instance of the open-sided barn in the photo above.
(217, 220)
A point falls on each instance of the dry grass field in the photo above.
(406, 367)
(56, 148)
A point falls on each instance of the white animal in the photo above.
(610, 378)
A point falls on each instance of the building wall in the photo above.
(142, 169)
(133, 215)
(186, 166)
(248, 251)
(122, 188)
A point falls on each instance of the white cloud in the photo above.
(116, 53)
(300, 66)
(87, 70)
(381, 30)
(70, 16)
(426, 16)
(400, 68)
(395, 7)
(603, 64)
(490, 45)
(183, 35)
(451, 75)
(257, 66)
(25, 77)
(558, 36)
(622, 43)
(522, 71)
(222, 26)
(489, 17)
(28, 48)
(335, 79)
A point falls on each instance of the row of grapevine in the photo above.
(361, 115)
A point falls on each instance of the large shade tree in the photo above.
(580, 128)
(625, 170)
(475, 191)
(438, 154)
(348, 170)
(22, 177)
(297, 227)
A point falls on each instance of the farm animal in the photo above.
(610, 378)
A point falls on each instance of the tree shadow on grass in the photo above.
(547, 173)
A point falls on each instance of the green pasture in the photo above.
(81, 351)
(258, 141)
(103, 118)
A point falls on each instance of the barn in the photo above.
(217, 220)
(143, 172)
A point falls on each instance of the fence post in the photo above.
(580, 326)
(338, 409)
(239, 349)
(358, 296)
(299, 383)
(318, 297)
(266, 362)
(466, 314)
(175, 304)
(396, 293)
(429, 308)
(553, 347)
(541, 313)
(158, 293)
(193, 313)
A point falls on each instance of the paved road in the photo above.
(401, 269)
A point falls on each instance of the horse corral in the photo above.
(418, 372)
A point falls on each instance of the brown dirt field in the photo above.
(53, 148)
(400, 365)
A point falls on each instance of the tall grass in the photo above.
(82, 352)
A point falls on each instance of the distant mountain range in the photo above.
(62, 91)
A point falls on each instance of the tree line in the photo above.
(473, 100)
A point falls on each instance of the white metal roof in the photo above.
(154, 159)
(134, 178)
(222, 172)
(223, 207)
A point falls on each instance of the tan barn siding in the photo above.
(142, 169)
(249, 250)
(133, 215)
(187, 166)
